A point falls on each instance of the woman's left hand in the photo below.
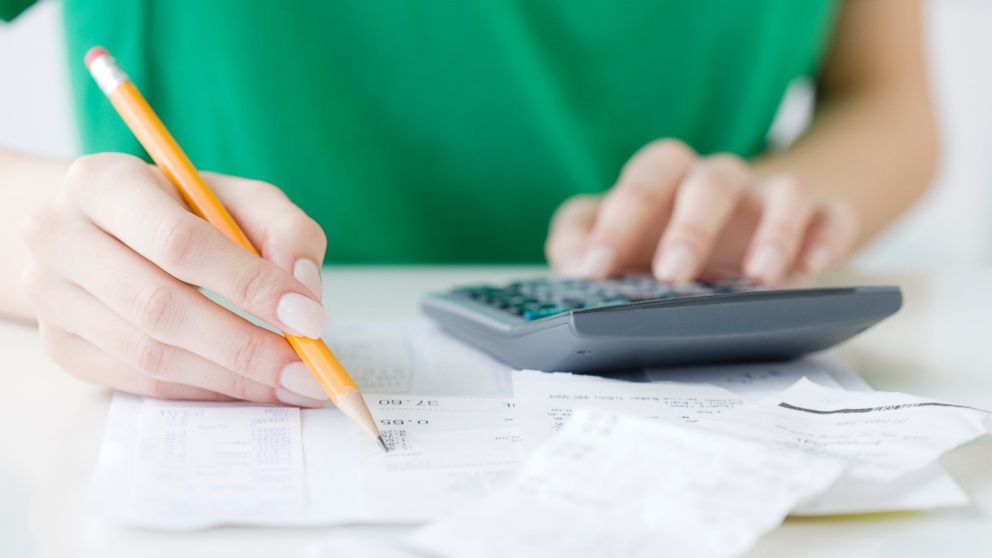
(681, 216)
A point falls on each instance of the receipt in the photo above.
(885, 440)
(879, 435)
(545, 402)
(610, 485)
(202, 463)
(173, 465)
(891, 457)
(444, 452)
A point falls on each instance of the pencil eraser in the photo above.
(94, 53)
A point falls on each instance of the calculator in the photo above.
(629, 323)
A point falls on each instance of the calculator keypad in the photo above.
(542, 298)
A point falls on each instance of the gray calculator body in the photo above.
(708, 327)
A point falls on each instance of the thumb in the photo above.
(279, 229)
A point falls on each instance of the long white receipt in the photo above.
(611, 485)
(888, 442)
(196, 465)
(200, 463)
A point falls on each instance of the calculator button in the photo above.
(543, 312)
(540, 298)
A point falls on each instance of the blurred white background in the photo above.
(951, 226)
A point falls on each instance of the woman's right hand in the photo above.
(116, 260)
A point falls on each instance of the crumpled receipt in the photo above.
(884, 439)
(618, 485)
(613, 485)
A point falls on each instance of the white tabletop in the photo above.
(939, 345)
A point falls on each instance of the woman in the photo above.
(446, 132)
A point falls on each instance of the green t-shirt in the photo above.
(442, 131)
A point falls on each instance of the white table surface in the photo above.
(939, 345)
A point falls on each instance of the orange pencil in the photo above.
(170, 158)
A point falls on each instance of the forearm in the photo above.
(873, 141)
(877, 150)
(26, 182)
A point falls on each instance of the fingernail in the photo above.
(301, 315)
(297, 378)
(595, 262)
(295, 400)
(765, 263)
(308, 273)
(677, 263)
(818, 259)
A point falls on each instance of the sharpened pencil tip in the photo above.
(383, 444)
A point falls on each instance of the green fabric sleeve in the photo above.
(9, 9)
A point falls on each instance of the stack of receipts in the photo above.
(710, 486)
(613, 485)
(891, 440)
(700, 462)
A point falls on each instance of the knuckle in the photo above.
(176, 238)
(82, 171)
(639, 193)
(583, 200)
(263, 187)
(150, 357)
(720, 174)
(570, 205)
(247, 353)
(85, 173)
(294, 227)
(254, 286)
(728, 164)
(155, 307)
(670, 149)
(692, 233)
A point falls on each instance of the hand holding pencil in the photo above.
(292, 307)
(120, 257)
